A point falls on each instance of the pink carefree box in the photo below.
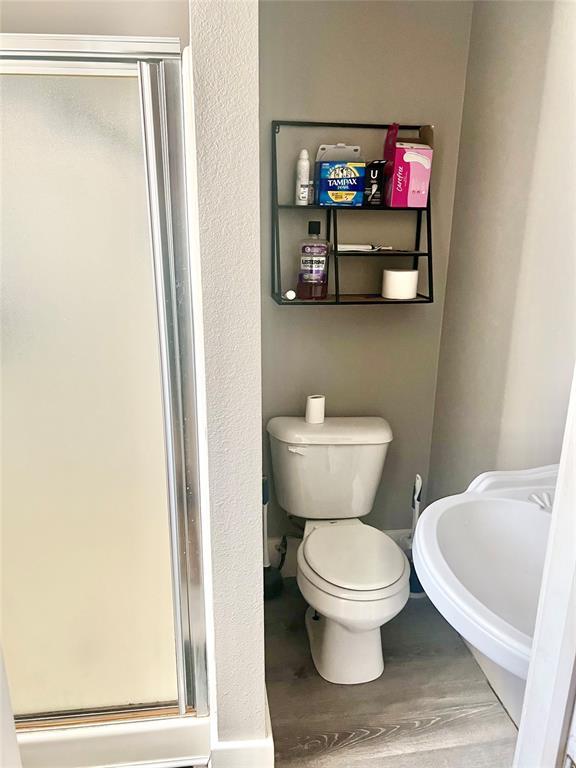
(407, 185)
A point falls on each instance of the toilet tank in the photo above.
(330, 470)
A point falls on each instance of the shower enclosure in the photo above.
(102, 595)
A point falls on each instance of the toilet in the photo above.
(353, 577)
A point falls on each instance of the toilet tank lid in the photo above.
(335, 430)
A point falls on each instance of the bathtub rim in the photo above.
(477, 623)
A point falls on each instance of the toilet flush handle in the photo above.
(301, 450)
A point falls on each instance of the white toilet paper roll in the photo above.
(315, 405)
(399, 283)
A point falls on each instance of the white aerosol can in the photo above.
(302, 178)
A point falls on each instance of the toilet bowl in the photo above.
(355, 579)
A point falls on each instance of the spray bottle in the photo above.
(302, 178)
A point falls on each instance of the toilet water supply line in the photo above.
(282, 548)
(416, 498)
(406, 542)
(265, 498)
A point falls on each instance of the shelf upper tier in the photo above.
(345, 208)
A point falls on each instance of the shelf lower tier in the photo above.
(350, 298)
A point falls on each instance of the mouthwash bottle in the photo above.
(313, 272)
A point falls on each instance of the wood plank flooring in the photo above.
(432, 707)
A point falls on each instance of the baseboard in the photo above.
(289, 567)
(248, 753)
(160, 743)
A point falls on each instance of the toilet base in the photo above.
(341, 656)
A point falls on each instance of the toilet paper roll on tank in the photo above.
(315, 409)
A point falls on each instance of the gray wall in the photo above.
(508, 340)
(362, 62)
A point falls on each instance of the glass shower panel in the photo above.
(87, 614)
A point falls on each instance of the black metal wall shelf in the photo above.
(332, 215)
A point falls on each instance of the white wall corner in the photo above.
(250, 753)
(245, 753)
(226, 141)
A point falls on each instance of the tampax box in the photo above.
(340, 182)
(409, 164)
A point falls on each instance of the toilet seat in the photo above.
(353, 562)
(356, 557)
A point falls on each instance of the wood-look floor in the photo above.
(432, 707)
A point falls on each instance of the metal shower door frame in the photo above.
(156, 62)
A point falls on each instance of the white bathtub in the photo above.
(479, 556)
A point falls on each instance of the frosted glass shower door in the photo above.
(86, 594)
